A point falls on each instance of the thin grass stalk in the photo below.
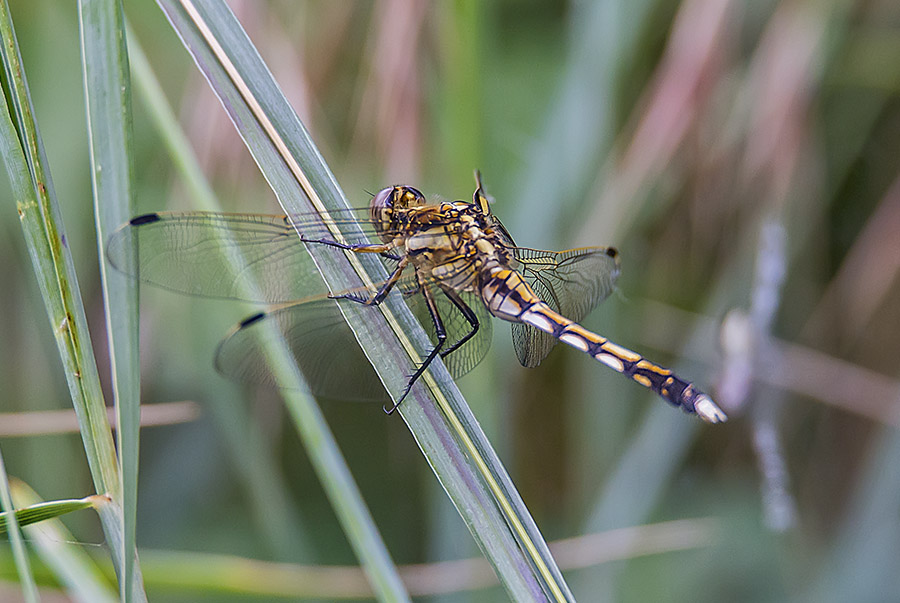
(331, 467)
(266, 489)
(580, 124)
(39, 213)
(324, 453)
(26, 163)
(107, 90)
(461, 43)
(17, 543)
(231, 575)
(448, 434)
(72, 566)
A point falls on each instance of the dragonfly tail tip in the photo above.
(708, 411)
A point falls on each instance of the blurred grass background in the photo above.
(743, 156)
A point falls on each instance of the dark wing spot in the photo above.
(252, 319)
(145, 219)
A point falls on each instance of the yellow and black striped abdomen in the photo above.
(509, 297)
(506, 294)
(661, 380)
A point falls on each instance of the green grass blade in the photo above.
(861, 564)
(323, 452)
(108, 99)
(38, 210)
(267, 491)
(42, 512)
(580, 123)
(84, 579)
(461, 42)
(439, 419)
(11, 523)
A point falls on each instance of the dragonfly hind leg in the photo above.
(467, 313)
(441, 334)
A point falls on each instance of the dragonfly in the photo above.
(453, 261)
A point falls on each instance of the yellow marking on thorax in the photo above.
(484, 246)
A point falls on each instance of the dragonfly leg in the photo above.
(381, 248)
(382, 292)
(441, 334)
(467, 313)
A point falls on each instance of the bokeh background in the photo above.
(743, 156)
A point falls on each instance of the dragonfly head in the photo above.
(383, 206)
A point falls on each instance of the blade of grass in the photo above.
(461, 42)
(862, 561)
(108, 99)
(267, 491)
(319, 442)
(232, 575)
(39, 512)
(38, 209)
(46, 422)
(448, 434)
(25, 161)
(580, 124)
(11, 524)
(72, 566)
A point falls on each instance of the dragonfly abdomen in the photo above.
(661, 380)
(505, 292)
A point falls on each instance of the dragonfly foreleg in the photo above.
(467, 313)
(385, 249)
(382, 291)
(440, 333)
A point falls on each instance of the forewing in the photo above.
(326, 351)
(252, 257)
(572, 282)
(323, 346)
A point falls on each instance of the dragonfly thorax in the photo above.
(451, 242)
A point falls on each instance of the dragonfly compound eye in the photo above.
(384, 199)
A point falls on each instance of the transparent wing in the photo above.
(252, 257)
(322, 344)
(500, 230)
(572, 282)
(328, 354)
